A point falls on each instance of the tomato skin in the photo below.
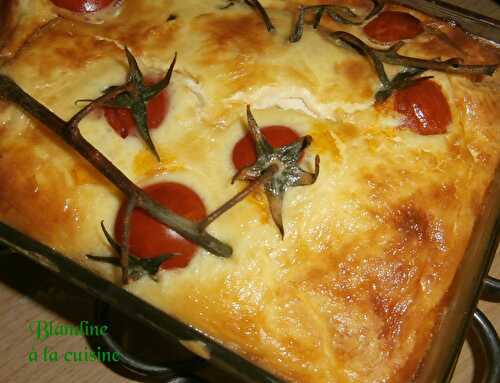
(244, 153)
(150, 238)
(425, 107)
(393, 26)
(178, 261)
(123, 123)
(82, 6)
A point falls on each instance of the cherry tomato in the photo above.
(150, 238)
(82, 6)
(425, 107)
(392, 26)
(122, 121)
(244, 153)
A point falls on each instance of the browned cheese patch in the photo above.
(147, 166)
(364, 5)
(359, 74)
(446, 40)
(230, 35)
(60, 50)
(233, 46)
(140, 25)
(324, 142)
(479, 112)
(18, 27)
(36, 196)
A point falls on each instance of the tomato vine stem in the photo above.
(69, 132)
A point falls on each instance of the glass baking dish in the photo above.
(449, 335)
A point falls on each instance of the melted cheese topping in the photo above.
(354, 290)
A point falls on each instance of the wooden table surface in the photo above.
(30, 293)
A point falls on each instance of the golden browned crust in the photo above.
(353, 292)
(20, 20)
(7, 20)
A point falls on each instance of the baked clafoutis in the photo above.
(297, 179)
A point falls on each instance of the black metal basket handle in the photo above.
(488, 337)
(486, 332)
(491, 289)
(171, 373)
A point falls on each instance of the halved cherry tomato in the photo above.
(392, 26)
(150, 238)
(425, 107)
(122, 121)
(244, 153)
(82, 6)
